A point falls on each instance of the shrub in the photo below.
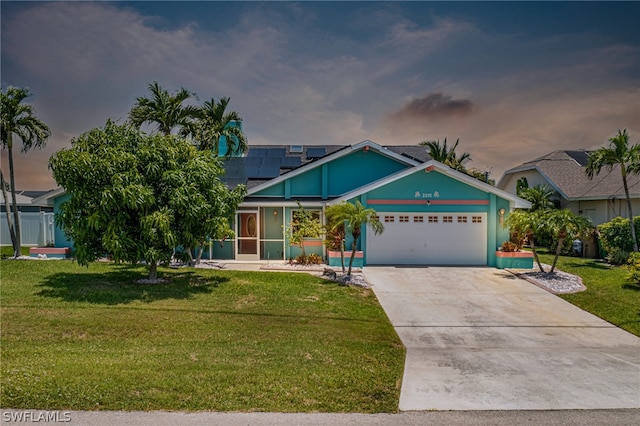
(309, 259)
(509, 246)
(618, 256)
(633, 266)
(617, 234)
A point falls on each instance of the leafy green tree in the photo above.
(539, 196)
(626, 157)
(355, 216)
(135, 196)
(165, 110)
(18, 118)
(564, 224)
(214, 123)
(528, 224)
(446, 155)
(304, 224)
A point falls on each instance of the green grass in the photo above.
(7, 251)
(91, 339)
(608, 295)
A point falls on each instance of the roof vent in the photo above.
(296, 149)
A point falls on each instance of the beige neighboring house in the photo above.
(601, 198)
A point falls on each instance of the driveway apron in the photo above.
(482, 339)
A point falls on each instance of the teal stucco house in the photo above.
(431, 213)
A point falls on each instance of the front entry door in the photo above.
(247, 236)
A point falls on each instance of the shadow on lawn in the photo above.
(118, 286)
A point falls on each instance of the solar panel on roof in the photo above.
(257, 152)
(316, 152)
(290, 162)
(276, 152)
(581, 157)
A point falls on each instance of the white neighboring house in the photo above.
(36, 219)
(601, 198)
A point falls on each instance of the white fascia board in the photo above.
(340, 153)
(514, 201)
(45, 198)
(288, 203)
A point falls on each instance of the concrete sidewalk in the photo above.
(482, 339)
(450, 418)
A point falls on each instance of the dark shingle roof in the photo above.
(265, 162)
(566, 171)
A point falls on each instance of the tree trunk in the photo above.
(200, 249)
(353, 253)
(342, 252)
(153, 271)
(631, 224)
(16, 215)
(7, 209)
(535, 253)
(558, 250)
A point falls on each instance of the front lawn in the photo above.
(91, 339)
(608, 295)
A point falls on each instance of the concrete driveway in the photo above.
(482, 339)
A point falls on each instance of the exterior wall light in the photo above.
(501, 212)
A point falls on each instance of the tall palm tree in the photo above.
(447, 155)
(563, 224)
(214, 123)
(539, 196)
(627, 157)
(18, 118)
(355, 216)
(165, 110)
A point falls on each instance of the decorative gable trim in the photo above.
(366, 145)
(428, 167)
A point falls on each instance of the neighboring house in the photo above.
(432, 214)
(36, 219)
(601, 198)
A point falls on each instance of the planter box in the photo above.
(50, 252)
(334, 259)
(514, 259)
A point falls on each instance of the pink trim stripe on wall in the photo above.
(431, 202)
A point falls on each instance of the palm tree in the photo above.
(447, 155)
(19, 119)
(335, 228)
(355, 216)
(539, 196)
(564, 224)
(627, 157)
(527, 223)
(214, 123)
(165, 110)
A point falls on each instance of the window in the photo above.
(447, 219)
(418, 219)
(476, 219)
(315, 216)
(462, 219)
(404, 219)
(433, 219)
(389, 219)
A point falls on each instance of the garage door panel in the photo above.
(437, 242)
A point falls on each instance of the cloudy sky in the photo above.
(512, 81)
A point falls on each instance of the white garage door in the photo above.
(429, 239)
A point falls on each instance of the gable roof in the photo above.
(514, 201)
(403, 154)
(565, 172)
